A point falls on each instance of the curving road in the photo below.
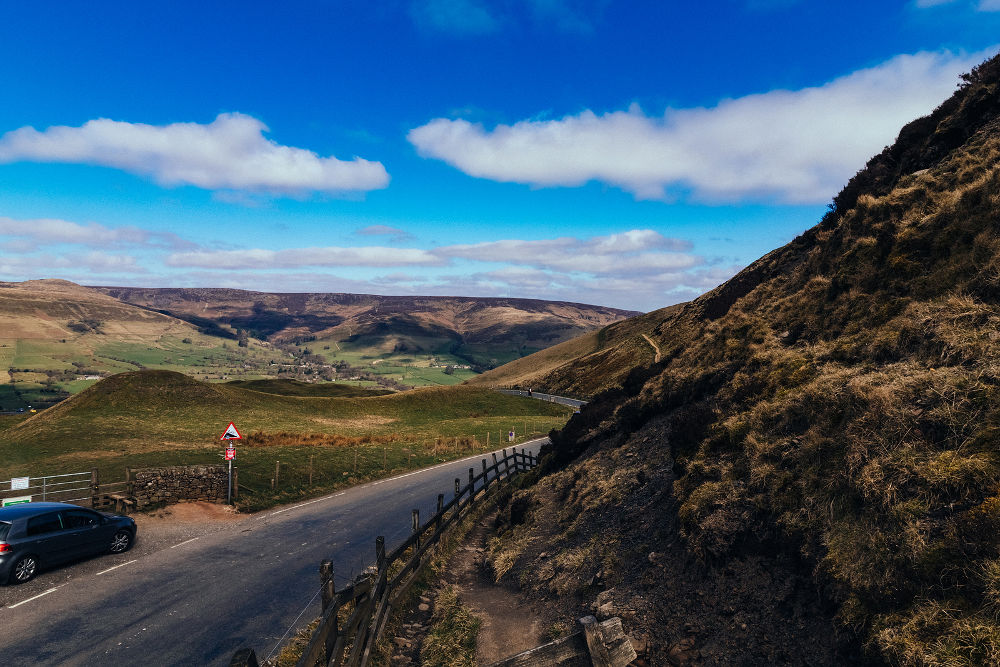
(197, 601)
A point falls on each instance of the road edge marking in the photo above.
(116, 567)
(51, 590)
(182, 543)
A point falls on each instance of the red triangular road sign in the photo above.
(231, 433)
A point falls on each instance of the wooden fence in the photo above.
(354, 618)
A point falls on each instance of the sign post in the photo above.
(231, 434)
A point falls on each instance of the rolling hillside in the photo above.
(479, 331)
(810, 475)
(57, 338)
(587, 364)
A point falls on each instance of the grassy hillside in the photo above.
(585, 365)
(146, 418)
(811, 473)
(284, 387)
(57, 338)
(411, 340)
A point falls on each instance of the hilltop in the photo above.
(810, 474)
(485, 331)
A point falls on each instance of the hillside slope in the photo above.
(811, 474)
(474, 327)
(57, 336)
(587, 364)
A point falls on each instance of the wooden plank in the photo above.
(571, 650)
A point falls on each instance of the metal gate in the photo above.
(74, 487)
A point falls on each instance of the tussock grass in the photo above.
(451, 641)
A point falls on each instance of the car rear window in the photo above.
(46, 523)
(4, 529)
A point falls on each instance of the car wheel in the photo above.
(121, 542)
(24, 570)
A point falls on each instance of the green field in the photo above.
(153, 418)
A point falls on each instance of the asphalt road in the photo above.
(198, 601)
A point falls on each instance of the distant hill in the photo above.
(483, 331)
(57, 337)
(811, 473)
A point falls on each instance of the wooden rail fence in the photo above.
(354, 618)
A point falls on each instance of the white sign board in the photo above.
(15, 501)
(18, 483)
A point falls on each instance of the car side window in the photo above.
(79, 519)
(46, 523)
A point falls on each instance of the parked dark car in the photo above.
(40, 535)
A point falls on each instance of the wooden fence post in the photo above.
(310, 470)
(95, 488)
(458, 487)
(440, 504)
(486, 476)
(236, 482)
(472, 483)
(380, 553)
(415, 521)
(277, 470)
(606, 642)
(326, 582)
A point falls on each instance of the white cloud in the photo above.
(635, 251)
(932, 3)
(79, 267)
(34, 233)
(373, 256)
(230, 153)
(989, 6)
(796, 146)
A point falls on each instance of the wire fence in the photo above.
(262, 476)
(74, 487)
(354, 618)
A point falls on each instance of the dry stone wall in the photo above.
(172, 484)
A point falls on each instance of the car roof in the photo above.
(12, 512)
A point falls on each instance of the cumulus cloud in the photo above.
(635, 251)
(257, 258)
(29, 234)
(230, 153)
(791, 146)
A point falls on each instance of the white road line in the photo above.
(34, 598)
(117, 566)
(408, 474)
(295, 507)
(184, 542)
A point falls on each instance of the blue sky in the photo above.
(631, 154)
